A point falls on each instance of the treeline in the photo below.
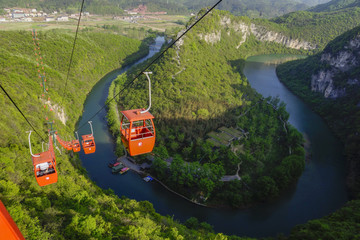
(317, 27)
(74, 207)
(269, 156)
(342, 224)
(132, 32)
(335, 5)
(198, 87)
(252, 9)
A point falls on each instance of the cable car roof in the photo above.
(44, 157)
(87, 137)
(135, 115)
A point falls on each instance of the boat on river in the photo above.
(113, 164)
(124, 170)
(117, 168)
(148, 179)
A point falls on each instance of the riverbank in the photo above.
(130, 163)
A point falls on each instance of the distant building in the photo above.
(49, 19)
(62, 19)
(33, 10)
(142, 9)
(27, 19)
(132, 13)
(17, 15)
(74, 16)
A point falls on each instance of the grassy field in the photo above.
(136, 28)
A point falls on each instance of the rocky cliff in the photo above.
(339, 69)
(261, 33)
(335, 75)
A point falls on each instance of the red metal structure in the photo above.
(44, 165)
(70, 145)
(137, 128)
(67, 145)
(8, 228)
(88, 142)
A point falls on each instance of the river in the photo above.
(319, 191)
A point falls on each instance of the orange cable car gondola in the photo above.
(69, 146)
(88, 142)
(44, 165)
(76, 144)
(8, 228)
(137, 128)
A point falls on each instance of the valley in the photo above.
(202, 87)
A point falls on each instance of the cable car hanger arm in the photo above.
(30, 146)
(147, 75)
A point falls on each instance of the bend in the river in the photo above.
(319, 191)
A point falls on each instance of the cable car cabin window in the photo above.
(89, 143)
(44, 169)
(125, 125)
(142, 129)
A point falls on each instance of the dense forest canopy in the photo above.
(313, 2)
(314, 26)
(335, 5)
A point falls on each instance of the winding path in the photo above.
(236, 176)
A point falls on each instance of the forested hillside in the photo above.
(335, 5)
(74, 207)
(330, 83)
(313, 2)
(198, 88)
(317, 27)
(254, 8)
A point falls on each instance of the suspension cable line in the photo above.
(72, 52)
(151, 63)
(21, 112)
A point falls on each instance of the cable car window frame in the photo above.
(137, 128)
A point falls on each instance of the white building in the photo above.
(17, 15)
(62, 19)
(49, 19)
